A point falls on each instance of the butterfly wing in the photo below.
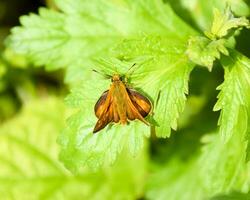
(138, 106)
(100, 105)
(141, 103)
(104, 120)
(104, 111)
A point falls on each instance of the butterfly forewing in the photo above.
(100, 104)
(105, 118)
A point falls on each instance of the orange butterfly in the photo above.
(120, 104)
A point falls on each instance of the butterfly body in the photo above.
(120, 104)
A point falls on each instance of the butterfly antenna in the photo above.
(129, 72)
(102, 74)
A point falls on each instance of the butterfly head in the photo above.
(116, 77)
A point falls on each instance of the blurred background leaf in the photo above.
(29, 159)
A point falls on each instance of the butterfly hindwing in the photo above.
(141, 103)
(133, 110)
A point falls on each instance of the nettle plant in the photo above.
(110, 36)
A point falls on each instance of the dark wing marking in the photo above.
(141, 103)
(100, 104)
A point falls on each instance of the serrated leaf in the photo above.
(203, 51)
(234, 99)
(148, 40)
(28, 155)
(80, 146)
(163, 72)
(86, 30)
(42, 38)
(225, 22)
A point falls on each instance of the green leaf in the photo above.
(41, 38)
(223, 167)
(203, 51)
(28, 154)
(80, 146)
(167, 75)
(85, 30)
(163, 72)
(175, 176)
(220, 168)
(151, 39)
(225, 22)
(201, 11)
(234, 98)
(166, 83)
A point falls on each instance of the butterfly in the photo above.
(120, 104)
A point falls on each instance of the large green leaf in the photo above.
(220, 167)
(86, 30)
(30, 168)
(234, 98)
(119, 33)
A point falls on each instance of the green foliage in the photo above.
(218, 169)
(201, 12)
(86, 30)
(225, 22)
(203, 51)
(221, 166)
(28, 155)
(91, 28)
(176, 175)
(234, 98)
(200, 161)
(164, 74)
